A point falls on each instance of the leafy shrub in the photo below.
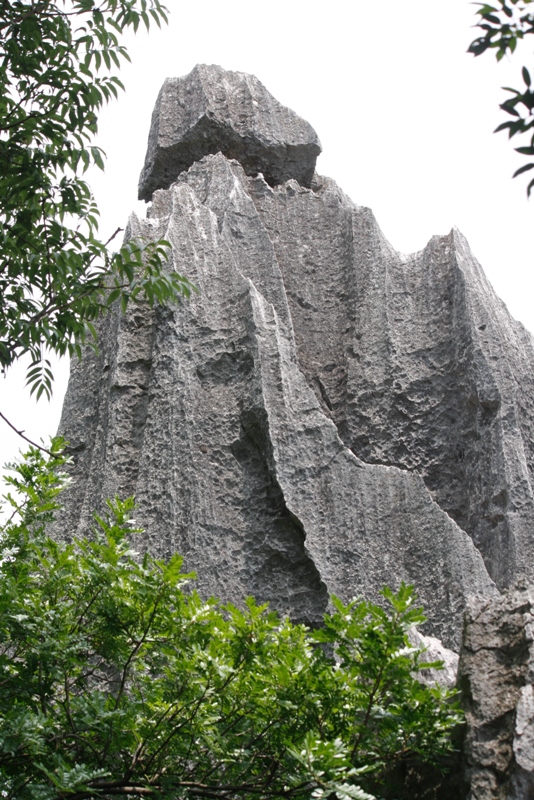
(117, 680)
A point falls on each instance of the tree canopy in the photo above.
(504, 25)
(58, 65)
(119, 680)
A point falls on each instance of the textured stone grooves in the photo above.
(415, 359)
(236, 447)
(111, 390)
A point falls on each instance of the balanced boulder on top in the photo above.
(212, 110)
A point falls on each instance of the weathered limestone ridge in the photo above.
(416, 361)
(204, 414)
(327, 415)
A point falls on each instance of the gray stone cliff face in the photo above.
(496, 677)
(327, 415)
(417, 362)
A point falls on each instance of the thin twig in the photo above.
(119, 230)
(21, 434)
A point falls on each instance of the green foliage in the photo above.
(57, 65)
(504, 26)
(118, 680)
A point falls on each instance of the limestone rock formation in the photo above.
(417, 362)
(327, 415)
(211, 111)
(496, 677)
(447, 675)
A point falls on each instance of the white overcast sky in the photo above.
(404, 114)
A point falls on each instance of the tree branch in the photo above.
(21, 434)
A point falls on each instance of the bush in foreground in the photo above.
(117, 680)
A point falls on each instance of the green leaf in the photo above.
(522, 169)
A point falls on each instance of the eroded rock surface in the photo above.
(327, 415)
(496, 678)
(416, 360)
(212, 110)
(207, 415)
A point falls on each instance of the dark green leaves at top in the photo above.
(119, 680)
(504, 25)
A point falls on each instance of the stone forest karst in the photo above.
(326, 415)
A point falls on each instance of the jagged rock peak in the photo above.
(222, 415)
(212, 110)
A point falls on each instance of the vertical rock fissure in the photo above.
(286, 575)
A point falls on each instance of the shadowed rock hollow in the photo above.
(327, 415)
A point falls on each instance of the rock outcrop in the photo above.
(203, 413)
(211, 111)
(447, 675)
(496, 678)
(327, 415)
(416, 361)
